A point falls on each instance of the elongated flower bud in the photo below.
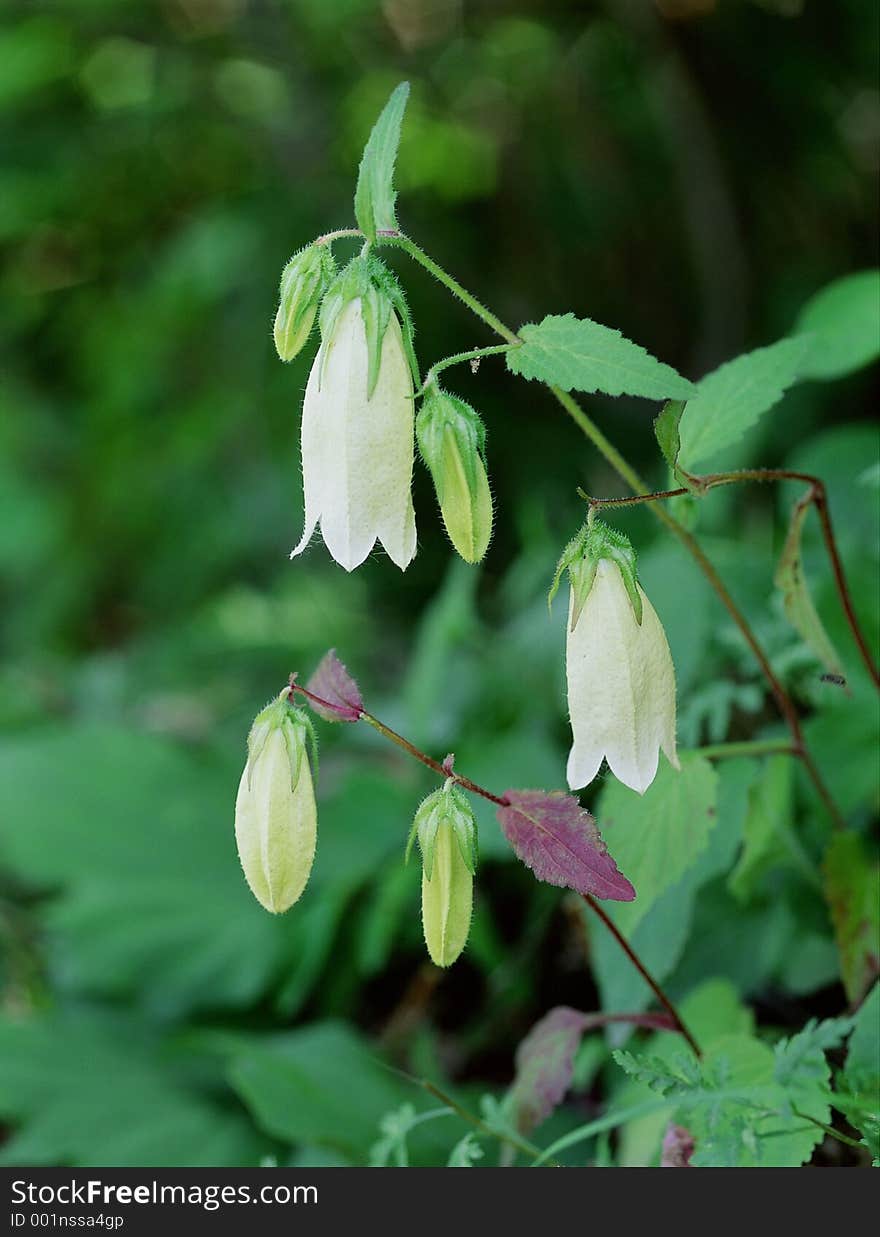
(357, 425)
(446, 830)
(275, 813)
(304, 280)
(621, 681)
(452, 439)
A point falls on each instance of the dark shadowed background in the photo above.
(689, 172)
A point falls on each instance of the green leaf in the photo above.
(134, 835)
(375, 196)
(842, 326)
(321, 1085)
(661, 936)
(732, 398)
(738, 1111)
(796, 600)
(656, 837)
(801, 1059)
(770, 840)
(863, 1057)
(578, 354)
(852, 888)
(91, 1090)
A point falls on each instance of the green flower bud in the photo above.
(447, 834)
(275, 813)
(303, 282)
(452, 440)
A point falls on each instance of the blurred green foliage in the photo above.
(688, 172)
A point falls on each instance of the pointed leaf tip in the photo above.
(375, 196)
(558, 839)
(332, 682)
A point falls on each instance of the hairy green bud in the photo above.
(275, 812)
(452, 440)
(304, 281)
(447, 833)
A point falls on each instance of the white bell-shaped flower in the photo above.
(621, 684)
(275, 813)
(357, 445)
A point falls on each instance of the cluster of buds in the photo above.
(621, 681)
(447, 835)
(275, 813)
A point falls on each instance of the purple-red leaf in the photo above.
(555, 837)
(544, 1065)
(545, 1058)
(678, 1147)
(337, 689)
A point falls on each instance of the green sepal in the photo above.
(368, 279)
(460, 815)
(572, 552)
(389, 284)
(447, 806)
(581, 558)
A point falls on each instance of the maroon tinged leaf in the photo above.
(332, 682)
(678, 1147)
(555, 837)
(545, 1059)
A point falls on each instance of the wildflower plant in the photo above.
(364, 410)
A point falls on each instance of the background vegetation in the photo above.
(688, 172)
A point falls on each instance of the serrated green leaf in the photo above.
(852, 888)
(801, 1058)
(375, 196)
(796, 600)
(842, 326)
(656, 837)
(733, 397)
(578, 354)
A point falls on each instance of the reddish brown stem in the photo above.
(643, 971)
(444, 769)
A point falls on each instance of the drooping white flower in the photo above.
(357, 443)
(621, 682)
(275, 812)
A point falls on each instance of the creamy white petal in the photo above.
(276, 825)
(621, 686)
(358, 452)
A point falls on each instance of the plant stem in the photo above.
(475, 354)
(829, 1129)
(521, 1144)
(818, 496)
(754, 747)
(643, 971)
(445, 770)
(625, 470)
(442, 769)
(403, 242)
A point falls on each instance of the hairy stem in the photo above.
(475, 355)
(753, 747)
(445, 770)
(625, 470)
